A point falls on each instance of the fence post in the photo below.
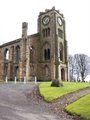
(15, 80)
(24, 79)
(35, 80)
(6, 79)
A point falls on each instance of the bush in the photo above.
(56, 83)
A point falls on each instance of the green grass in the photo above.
(50, 93)
(1, 81)
(81, 107)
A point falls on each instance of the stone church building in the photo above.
(43, 54)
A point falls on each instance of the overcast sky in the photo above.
(76, 13)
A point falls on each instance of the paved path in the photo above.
(17, 102)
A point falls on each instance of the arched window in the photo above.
(62, 74)
(47, 54)
(46, 49)
(48, 31)
(6, 54)
(17, 54)
(12, 53)
(61, 51)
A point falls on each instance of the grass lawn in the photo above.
(1, 81)
(80, 107)
(50, 93)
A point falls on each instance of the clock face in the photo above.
(46, 20)
(59, 20)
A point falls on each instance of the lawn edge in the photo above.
(62, 95)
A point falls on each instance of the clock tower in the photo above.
(53, 50)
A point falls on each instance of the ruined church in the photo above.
(43, 54)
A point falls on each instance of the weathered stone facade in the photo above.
(43, 55)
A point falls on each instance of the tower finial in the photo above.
(53, 8)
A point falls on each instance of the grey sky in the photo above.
(76, 13)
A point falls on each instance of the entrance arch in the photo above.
(62, 74)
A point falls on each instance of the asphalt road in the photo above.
(15, 105)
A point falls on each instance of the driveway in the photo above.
(18, 102)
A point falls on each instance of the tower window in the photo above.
(46, 32)
(60, 33)
(61, 51)
(47, 54)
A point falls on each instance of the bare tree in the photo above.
(71, 67)
(81, 65)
